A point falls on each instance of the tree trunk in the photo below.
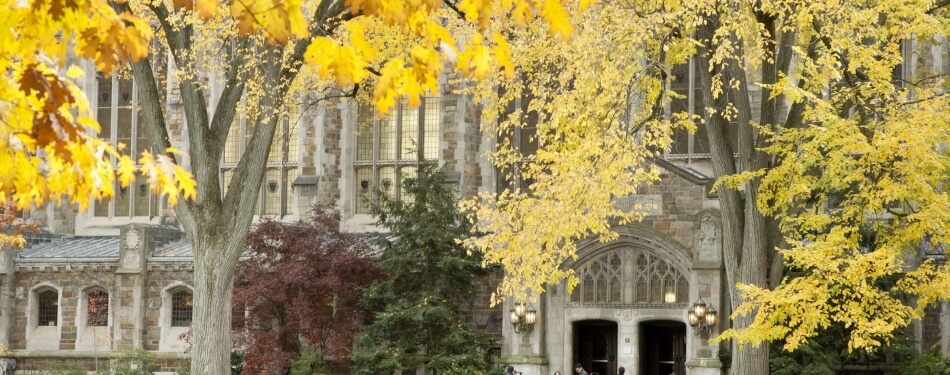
(211, 327)
(745, 229)
(750, 360)
(211, 315)
(217, 224)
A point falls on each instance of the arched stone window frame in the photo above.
(182, 303)
(83, 308)
(43, 337)
(633, 242)
(94, 338)
(170, 338)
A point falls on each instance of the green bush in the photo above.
(135, 362)
(309, 363)
(930, 362)
(184, 367)
(63, 368)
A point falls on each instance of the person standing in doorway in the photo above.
(579, 369)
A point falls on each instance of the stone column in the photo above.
(7, 291)
(129, 314)
(944, 328)
(524, 350)
(706, 283)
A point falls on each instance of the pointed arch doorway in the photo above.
(663, 348)
(595, 346)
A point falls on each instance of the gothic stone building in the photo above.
(118, 275)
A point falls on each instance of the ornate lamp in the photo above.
(702, 317)
(523, 317)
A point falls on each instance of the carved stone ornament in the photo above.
(626, 314)
(709, 241)
(132, 239)
(131, 260)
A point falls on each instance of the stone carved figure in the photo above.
(708, 239)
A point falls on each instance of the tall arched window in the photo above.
(600, 280)
(97, 308)
(654, 280)
(48, 308)
(388, 148)
(121, 120)
(182, 304)
(691, 145)
(276, 196)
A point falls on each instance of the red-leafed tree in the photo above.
(300, 289)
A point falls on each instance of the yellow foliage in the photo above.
(856, 178)
(282, 21)
(46, 152)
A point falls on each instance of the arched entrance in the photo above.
(595, 346)
(662, 348)
(643, 276)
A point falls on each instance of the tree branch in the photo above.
(203, 164)
(932, 97)
(225, 111)
(455, 9)
(937, 6)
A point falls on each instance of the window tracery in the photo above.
(652, 280)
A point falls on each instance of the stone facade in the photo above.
(133, 273)
(639, 287)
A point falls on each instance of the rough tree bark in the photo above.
(748, 236)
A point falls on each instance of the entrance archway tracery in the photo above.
(642, 267)
(649, 280)
(644, 275)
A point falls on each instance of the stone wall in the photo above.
(27, 365)
(69, 280)
(160, 277)
(681, 200)
(329, 151)
(478, 313)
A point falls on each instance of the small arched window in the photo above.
(48, 311)
(97, 308)
(182, 304)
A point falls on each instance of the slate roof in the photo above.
(95, 248)
(180, 248)
(104, 248)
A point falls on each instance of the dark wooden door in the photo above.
(662, 348)
(595, 346)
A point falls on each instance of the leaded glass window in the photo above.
(97, 308)
(121, 120)
(275, 198)
(684, 81)
(521, 137)
(600, 280)
(389, 147)
(182, 305)
(654, 280)
(48, 308)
